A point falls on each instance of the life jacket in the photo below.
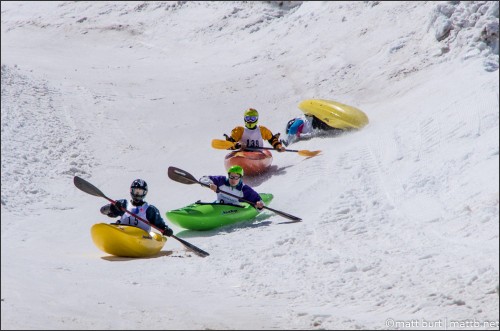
(234, 190)
(140, 211)
(252, 138)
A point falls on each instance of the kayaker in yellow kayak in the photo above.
(234, 185)
(138, 191)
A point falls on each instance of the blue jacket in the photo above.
(248, 192)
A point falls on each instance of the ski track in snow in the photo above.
(35, 117)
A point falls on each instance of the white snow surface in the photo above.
(400, 222)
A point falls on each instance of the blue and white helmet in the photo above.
(289, 124)
(138, 190)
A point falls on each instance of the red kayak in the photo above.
(253, 162)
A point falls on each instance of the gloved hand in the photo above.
(105, 209)
(237, 146)
(168, 231)
(213, 187)
(118, 205)
(280, 148)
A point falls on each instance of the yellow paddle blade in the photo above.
(224, 144)
(305, 152)
(221, 144)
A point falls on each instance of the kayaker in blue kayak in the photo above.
(305, 127)
(138, 191)
(234, 185)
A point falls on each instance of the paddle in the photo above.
(225, 144)
(86, 187)
(185, 177)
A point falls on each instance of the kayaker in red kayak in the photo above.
(234, 185)
(253, 135)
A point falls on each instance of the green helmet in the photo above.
(251, 117)
(236, 169)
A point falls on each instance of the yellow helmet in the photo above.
(251, 118)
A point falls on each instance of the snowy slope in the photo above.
(400, 219)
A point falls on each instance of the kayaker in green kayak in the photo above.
(234, 185)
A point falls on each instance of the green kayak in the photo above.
(202, 216)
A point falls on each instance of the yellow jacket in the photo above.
(265, 134)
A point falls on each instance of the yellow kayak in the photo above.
(334, 114)
(126, 240)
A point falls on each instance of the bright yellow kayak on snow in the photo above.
(334, 114)
(126, 240)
